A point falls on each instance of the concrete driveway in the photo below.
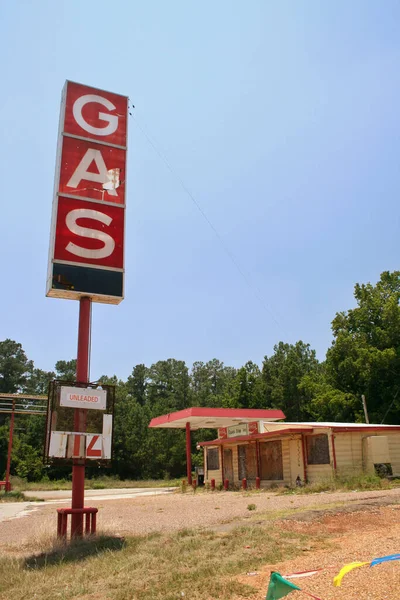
(107, 494)
(15, 510)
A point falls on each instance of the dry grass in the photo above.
(343, 484)
(16, 496)
(100, 483)
(191, 563)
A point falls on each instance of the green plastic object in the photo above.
(279, 587)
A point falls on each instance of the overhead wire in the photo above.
(256, 291)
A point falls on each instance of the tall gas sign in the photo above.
(88, 218)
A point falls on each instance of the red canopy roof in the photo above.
(214, 418)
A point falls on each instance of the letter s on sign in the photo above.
(112, 120)
(85, 213)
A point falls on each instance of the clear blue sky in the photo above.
(282, 118)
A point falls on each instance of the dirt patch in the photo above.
(353, 534)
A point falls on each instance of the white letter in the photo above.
(81, 171)
(94, 234)
(112, 120)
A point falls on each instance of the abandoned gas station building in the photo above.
(255, 443)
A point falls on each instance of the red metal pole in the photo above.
(258, 459)
(82, 376)
(188, 455)
(10, 443)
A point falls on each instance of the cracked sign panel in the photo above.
(88, 219)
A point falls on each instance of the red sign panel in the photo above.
(94, 114)
(222, 433)
(92, 171)
(253, 427)
(87, 235)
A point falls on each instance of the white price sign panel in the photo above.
(74, 397)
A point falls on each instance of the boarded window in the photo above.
(242, 461)
(271, 460)
(247, 458)
(228, 464)
(318, 449)
(212, 459)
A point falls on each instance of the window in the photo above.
(271, 460)
(318, 449)
(212, 459)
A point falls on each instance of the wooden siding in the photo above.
(349, 451)
(321, 472)
(349, 459)
(217, 475)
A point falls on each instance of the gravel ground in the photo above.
(359, 536)
(357, 525)
(176, 511)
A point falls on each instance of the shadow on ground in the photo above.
(75, 551)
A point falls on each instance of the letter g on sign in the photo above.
(112, 120)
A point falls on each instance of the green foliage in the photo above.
(282, 374)
(14, 367)
(365, 354)
(66, 369)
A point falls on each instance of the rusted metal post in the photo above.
(10, 443)
(244, 483)
(258, 482)
(59, 524)
(94, 520)
(226, 485)
(64, 524)
(188, 455)
(82, 376)
(88, 518)
(212, 485)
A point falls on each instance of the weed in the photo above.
(154, 567)
(341, 483)
(16, 496)
(98, 483)
(251, 507)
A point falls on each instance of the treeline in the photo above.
(364, 358)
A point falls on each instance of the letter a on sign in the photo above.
(93, 446)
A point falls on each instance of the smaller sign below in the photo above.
(66, 444)
(75, 446)
(238, 430)
(90, 398)
(58, 444)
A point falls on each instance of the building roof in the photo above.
(297, 428)
(214, 418)
(256, 436)
(344, 426)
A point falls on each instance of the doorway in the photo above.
(228, 465)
